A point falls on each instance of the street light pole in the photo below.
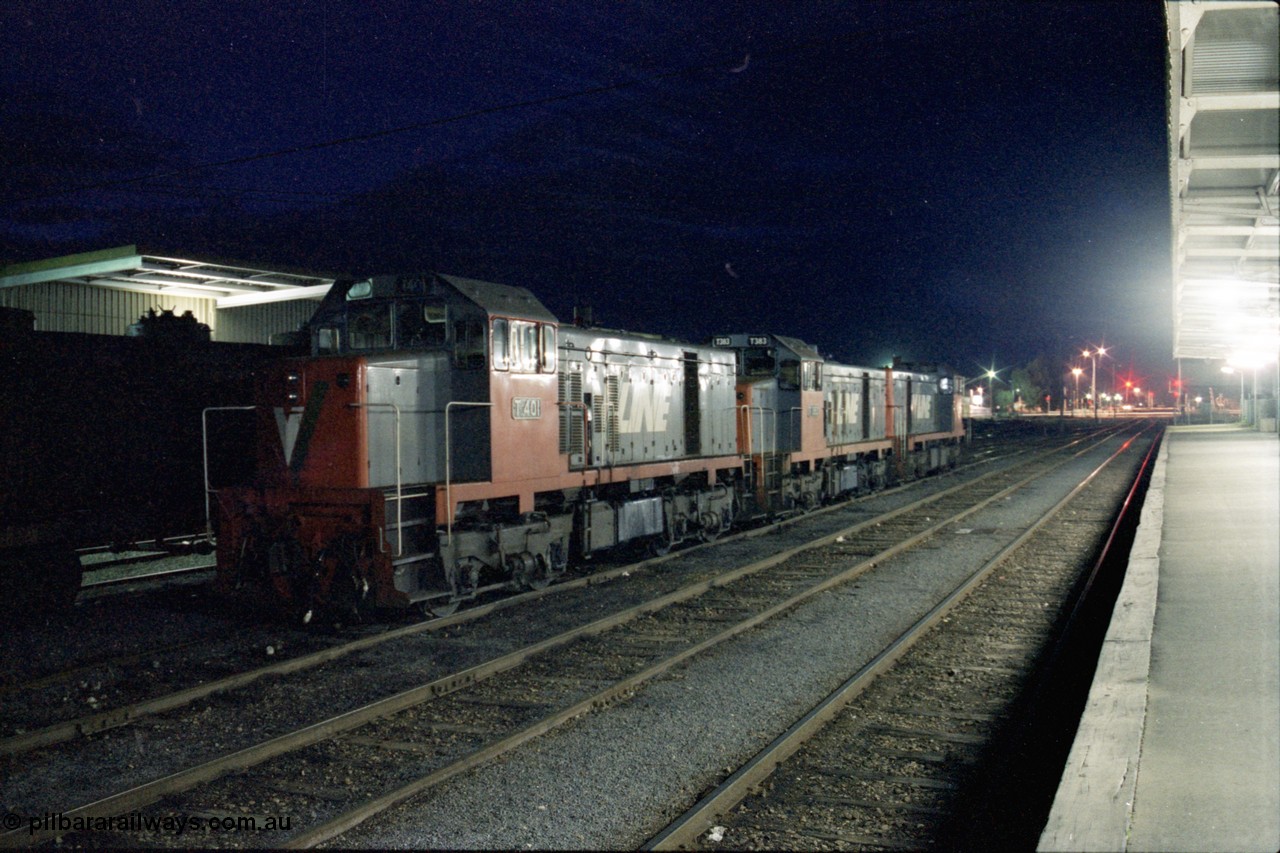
(991, 389)
(1093, 377)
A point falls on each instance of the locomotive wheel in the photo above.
(710, 530)
(530, 571)
(439, 607)
(541, 578)
(659, 546)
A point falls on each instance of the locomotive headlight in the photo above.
(292, 387)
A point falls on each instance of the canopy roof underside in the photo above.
(1224, 156)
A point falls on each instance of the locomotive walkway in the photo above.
(1179, 745)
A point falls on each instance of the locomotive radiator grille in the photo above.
(571, 417)
(611, 422)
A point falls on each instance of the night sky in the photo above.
(945, 181)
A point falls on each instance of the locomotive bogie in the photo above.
(526, 554)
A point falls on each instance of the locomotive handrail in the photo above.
(399, 487)
(799, 425)
(764, 436)
(448, 450)
(750, 451)
(204, 450)
(737, 411)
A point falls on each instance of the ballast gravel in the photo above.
(614, 779)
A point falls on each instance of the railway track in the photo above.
(434, 730)
(162, 678)
(913, 751)
(91, 582)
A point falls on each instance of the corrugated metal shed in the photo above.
(104, 292)
(1224, 155)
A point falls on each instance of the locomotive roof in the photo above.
(502, 299)
(494, 299)
(799, 347)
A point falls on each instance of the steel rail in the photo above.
(126, 714)
(621, 689)
(151, 792)
(188, 570)
(687, 828)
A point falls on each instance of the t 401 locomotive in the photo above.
(449, 436)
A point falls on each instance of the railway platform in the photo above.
(1179, 744)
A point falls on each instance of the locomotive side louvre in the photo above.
(643, 400)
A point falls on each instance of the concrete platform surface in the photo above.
(1179, 745)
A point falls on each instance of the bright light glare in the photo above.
(1245, 360)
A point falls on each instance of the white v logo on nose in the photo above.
(288, 426)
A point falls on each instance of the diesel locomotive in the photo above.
(448, 436)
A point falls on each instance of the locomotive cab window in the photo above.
(360, 290)
(369, 326)
(500, 335)
(757, 361)
(524, 346)
(468, 343)
(811, 376)
(789, 375)
(327, 341)
(419, 325)
(547, 363)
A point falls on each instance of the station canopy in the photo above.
(125, 268)
(1224, 157)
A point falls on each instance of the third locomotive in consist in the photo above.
(448, 436)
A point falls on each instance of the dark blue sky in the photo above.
(947, 181)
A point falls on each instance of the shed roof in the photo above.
(126, 268)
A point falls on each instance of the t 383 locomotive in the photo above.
(449, 436)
